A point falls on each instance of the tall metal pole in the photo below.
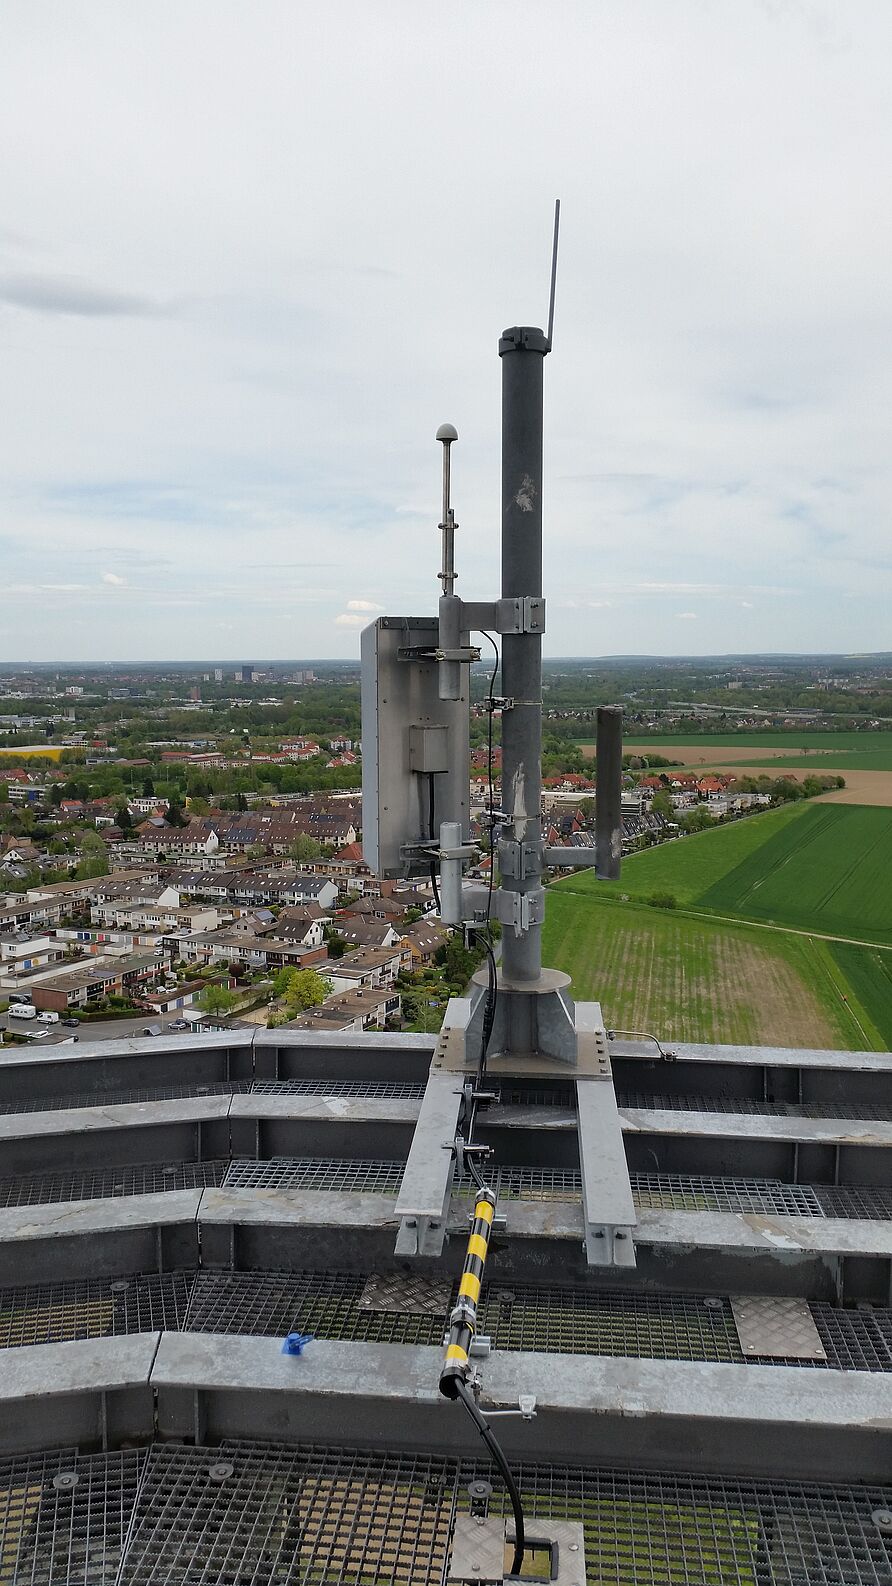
(522, 351)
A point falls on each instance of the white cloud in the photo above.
(747, 605)
(114, 579)
(350, 619)
(687, 616)
(210, 399)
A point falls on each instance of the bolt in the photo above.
(574, 1547)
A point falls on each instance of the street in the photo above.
(92, 1030)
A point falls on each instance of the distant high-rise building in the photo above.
(195, 693)
(218, 674)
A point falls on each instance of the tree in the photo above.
(305, 989)
(123, 818)
(175, 816)
(95, 858)
(303, 848)
(148, 788)
(216, 999)
(4, 792)
(661, 804)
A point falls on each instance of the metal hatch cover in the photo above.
(400, 1293)
(778, 1327)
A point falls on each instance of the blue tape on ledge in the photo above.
(296, 1343)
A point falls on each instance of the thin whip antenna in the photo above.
(554, 253)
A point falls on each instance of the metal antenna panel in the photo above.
(412, 741)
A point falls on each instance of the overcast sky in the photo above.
(252, 254)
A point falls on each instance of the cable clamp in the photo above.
(526, 1407)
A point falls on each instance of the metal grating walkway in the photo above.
(148, 1178)
(383, 1091)
(667, 1191)
(867, 1112)
(249, 1514)
(610, 1322)
(53, 1313)
(116, 1098)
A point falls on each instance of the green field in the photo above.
(841, 760)
(826, 751)
(830, 871)
(825, 868)
(868, 972)
(688, 867)
(703, 980)
(828, 742)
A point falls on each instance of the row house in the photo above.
(363, 1009)
(375, 968)
(86, 983)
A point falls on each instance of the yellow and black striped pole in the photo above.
(463, 1321)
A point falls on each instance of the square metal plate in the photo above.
(780, 1328)
(410, 1296)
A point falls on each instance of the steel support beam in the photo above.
(423, 1202)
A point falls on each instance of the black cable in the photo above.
(430, 824)
(501, 1463)
(492, 819)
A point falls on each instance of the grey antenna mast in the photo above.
(554, 257)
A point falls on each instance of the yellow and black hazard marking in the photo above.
(463, 1321)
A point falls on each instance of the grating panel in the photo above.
(114, 1098)
(855, 1200)
(53, 1313)
(692, 1192)
(746, 1104)
(855, 1340)
(272, 1304)
(581, 1321)
(669, 1191)
(650, 1530)
(252, 1516)
(315, 1173)
(149, 1178)
(64, 1517)
(341, 1087)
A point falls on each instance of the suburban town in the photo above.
(193, 879)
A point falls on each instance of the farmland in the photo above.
(802, 869)
(816, 867)
(785, 743)
(702, 980)
(829, 871)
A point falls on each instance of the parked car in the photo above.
(178, 1024)
(71, 1024)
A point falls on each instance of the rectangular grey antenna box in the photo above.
(411, 739)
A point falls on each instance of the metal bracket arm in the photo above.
(464, 652)
(510, 614)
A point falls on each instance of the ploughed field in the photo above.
(744, 953)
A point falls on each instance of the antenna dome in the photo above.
(447, 432)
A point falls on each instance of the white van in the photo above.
(49, 1018)
(22, 1010)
